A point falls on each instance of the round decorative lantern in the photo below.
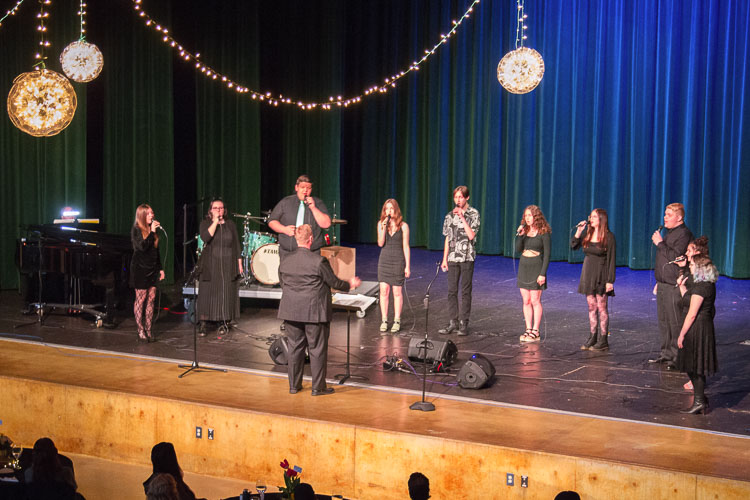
(520, 70)
(81, 61)
(41, 102)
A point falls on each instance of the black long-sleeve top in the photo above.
(539, 243)
(675, 243)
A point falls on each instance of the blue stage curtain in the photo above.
(642, 104)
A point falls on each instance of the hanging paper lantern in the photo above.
(41, 103)
(81, 61)
(520, 70)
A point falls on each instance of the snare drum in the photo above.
(265, 264)
(253, 240)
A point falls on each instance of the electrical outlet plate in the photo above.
(210, 434)
(509, 479)
(524, 481)
(198, 432)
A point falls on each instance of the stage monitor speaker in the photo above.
(476, 372)
(444, 351)
(279, 351)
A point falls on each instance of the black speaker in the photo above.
(279, 351)
(476, 372)
(444, 351)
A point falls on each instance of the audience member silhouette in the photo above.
(304, 491)
(162, 487)
(164, 460)
(48, 477)
(419, 486)
(568, 495)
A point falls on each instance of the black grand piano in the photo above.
(75, 267)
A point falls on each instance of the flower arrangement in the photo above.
(291, 478)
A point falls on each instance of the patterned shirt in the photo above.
(460, 247)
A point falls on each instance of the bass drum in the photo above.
(265, 264)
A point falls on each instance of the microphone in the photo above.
(658, 229)
(582, 223)
(519, 231)
(388, 221)
(678, 259)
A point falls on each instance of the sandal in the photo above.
(532, 336)
(396, 326)
(384, 326)
(525, 334)
(142, 336)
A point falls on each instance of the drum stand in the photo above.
(195, 366)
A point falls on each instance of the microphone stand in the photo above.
(195, 366)
(425, 405)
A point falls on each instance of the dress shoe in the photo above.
(671, 366)
(323, 392)
(294, 391)
(452, 327)
(463, 328)
(589, 343)
(660, 359)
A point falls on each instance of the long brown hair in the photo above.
(603, 229)
(140, 220)
(398, 219)
(540, 223)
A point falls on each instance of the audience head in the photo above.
(162, 487)
(303, 235)
(164, 460)
(45, 460)
(304, 491)
(419, 486)
(568, 495)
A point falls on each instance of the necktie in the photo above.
(300, 214)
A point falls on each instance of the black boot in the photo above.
(700, 405)
(463, 327)
(589, 343)
(452, 327)
(601, 343)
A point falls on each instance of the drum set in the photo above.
(260, 251)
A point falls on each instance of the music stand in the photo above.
(39, 305)
(195, 366)
(344, 376)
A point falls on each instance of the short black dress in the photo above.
(530, 268)
(392, 264)
(698, 353)
(145, 265)
(598, 266)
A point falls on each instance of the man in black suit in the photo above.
(307, 279)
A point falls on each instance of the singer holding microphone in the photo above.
(597, 274)
(145, 269)
(460, 228)
(533, 243)
(220, 268)
(668, 298)
(394, 263)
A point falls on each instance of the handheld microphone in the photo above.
(388, 220)
(519, 231)
(658, 229)
(678, 259)
(582, 223)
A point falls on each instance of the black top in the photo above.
(285, 212)
(223, 245)
(675, 244)
(539, 243)
(306, 280)
(145, 265)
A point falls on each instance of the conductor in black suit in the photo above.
(307, 279)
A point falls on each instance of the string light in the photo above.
(274, 99)
(41, 102)
(82, 61)
(11, 12)
(520, 70)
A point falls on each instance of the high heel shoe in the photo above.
(142, 336)
(149, 337)
(700, 405)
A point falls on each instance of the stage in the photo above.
(543, 399)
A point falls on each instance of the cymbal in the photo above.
(247, 216)
(339, 221)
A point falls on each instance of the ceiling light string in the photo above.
(42, 16)
(11, 12)
(82, 61)
(520, 70)
(274, 99)
(82, 14)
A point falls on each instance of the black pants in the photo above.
(668, 300)
(463, 271)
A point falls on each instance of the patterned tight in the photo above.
(598, 314)
(144, 300)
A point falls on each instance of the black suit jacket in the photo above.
(307, 279)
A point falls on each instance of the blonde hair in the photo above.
(302, 234)
(677, 208)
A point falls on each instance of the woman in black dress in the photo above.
(164, 461)
(145, 268)
(533, 243)
(695, 247)
(220, 268)
(597, 275)
(696, 343)
(394, 262)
